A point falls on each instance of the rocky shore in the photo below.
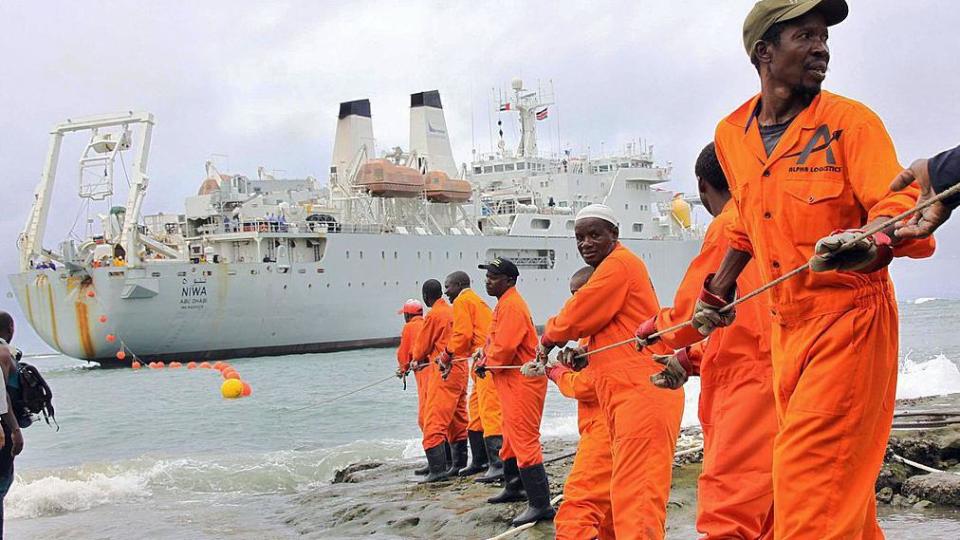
(383, 500)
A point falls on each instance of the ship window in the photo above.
(521, 166)
(317, 252)
(540, 224)
(418, 255)
(638, 227)
(508, 167)
(361, 255)
(626, 206)
(498, 168)
(448, 255)
(488, 169)
(394, 254)
(155, 274)
(348, 254)
(383, 254)
(477, 170)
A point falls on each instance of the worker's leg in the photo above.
(644, 422)
(739, 421)
(586, 492)
(473, 406)
(491, 413)
(837, 375)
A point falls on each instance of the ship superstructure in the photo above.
(265, 266)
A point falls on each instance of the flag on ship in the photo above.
(542, 114)
(505, 107)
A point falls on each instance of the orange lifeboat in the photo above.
(441, 188)
(384, 179)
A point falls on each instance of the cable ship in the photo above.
(260, 266)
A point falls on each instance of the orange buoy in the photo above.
(192, 365)
(231, 375)
(217, 365)
(153, 365)
(121, 355)
(204, 365)
(161, 365)
(111, 338)
(135, 365)
(247, 390)
(103, 318)
(175, 365)
(91, 294)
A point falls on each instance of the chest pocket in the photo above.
(810, 207)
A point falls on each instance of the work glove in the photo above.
(445, 363)
(677, 369)
(544, 348)
(864, 256)
(533, 368)
(706, 313)
(401, 373)
(644, 331)
(480, 363)
(417, 366)
(555, 372)
(572, 358)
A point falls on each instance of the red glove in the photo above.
(706, 313)
(554, 373)
(644, 331)
(445, 362)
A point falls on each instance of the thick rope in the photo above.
(350, 393)
(920, 466)
(870, 231)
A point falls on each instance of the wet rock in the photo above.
(892, 475)
(350, 475)
(941, 488)
(922, 505)
(885, 495)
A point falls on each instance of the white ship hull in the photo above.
(183, 311)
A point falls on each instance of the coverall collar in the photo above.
(745, 118)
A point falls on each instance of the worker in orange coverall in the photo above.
(643, 420)
(412, 311)
(471, 324)
(808, 170)
(737, 411)
(511, 343)
(445, 420)
(585, 510)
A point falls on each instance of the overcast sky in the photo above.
(259, 83)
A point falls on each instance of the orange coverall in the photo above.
(737, 411)
(835, 336)
(513, 342)
(643, 420)
(405, 354)
(445, 418)
(585, 511)
(471, 324)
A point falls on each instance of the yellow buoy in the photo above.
(681, 210)
(231, 388)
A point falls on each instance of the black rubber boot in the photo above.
(494, 464)
(437, 462)
(512, 485)
(422, 470)
(448, 453)
(459, 457)
(535, 482)
(478, 452)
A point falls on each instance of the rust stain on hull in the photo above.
(83, 325)
(53, 317)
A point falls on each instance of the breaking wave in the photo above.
(937, 376)
(76, 489)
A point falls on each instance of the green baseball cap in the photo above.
(767, 13)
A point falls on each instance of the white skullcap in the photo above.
(600, 211)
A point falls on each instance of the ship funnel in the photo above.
(429, 141)
(354, 140)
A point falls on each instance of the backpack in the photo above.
(33, 397)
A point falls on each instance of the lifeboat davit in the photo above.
(440, 187)
(384, 179)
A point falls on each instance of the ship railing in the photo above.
(275, 226)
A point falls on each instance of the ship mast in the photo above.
(528, 105)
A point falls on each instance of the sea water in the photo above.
(159, 454)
